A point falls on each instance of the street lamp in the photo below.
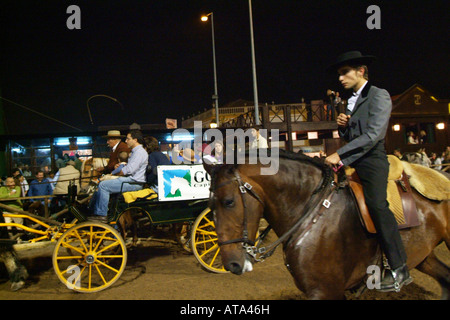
(215, 97)
(255, 85)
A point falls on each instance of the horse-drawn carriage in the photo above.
(90, 256)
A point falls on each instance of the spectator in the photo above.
(435, 161)
(411, 138)
(65, 176)
(15, 172)
(423, 136)
(59, 162)
(53, 178)
(78, 162)
(11, 191)
(257, 140)
(39, 187)
(398, 153)
(23, 184)
(26, 171)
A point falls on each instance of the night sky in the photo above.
(155, 57)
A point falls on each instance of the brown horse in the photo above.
(325, 246)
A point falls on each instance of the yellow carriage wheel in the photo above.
(205, 243)
(89, 257)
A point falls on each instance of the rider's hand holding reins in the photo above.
(342, 120)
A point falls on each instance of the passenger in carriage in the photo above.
(133, 172)
(114, 141)
(155, 158)
(123, 158)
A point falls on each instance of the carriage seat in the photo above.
(144, 194)
(399, 197)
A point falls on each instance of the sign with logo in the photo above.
(183, 182)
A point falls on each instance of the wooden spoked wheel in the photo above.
(205, 243)
(89, 257)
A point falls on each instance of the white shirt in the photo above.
(259, 143)
(114, 148)
(352, 101)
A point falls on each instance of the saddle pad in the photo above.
(132, 196)
(395, 202)
(428, 182)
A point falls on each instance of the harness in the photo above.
(323, 194)
(244, 187)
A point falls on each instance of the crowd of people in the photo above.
(438, 161)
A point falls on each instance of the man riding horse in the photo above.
(363, 126)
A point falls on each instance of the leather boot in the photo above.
(395, 279)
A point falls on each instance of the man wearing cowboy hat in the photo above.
(114, 141)
(363, 126)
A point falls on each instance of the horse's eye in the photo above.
(228, 203)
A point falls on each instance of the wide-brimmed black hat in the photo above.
(350, 58)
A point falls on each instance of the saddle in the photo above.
(399, 197)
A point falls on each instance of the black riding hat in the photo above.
(350, 58)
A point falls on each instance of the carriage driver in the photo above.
(363, 126)
(133, 171)
(114, 141)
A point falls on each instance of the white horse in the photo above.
(89, 172)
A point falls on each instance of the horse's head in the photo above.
(238, 206)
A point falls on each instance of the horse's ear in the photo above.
(208, 166)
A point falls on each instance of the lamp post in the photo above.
(255, 85)
(215, 96)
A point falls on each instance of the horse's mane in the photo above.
(326, 170)
(316, 161)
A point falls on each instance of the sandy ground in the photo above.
(164, 271)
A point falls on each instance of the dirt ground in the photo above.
(163, 271)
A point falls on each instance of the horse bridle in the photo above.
(311, 205)
(244, 188)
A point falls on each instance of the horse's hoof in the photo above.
(17, 285)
